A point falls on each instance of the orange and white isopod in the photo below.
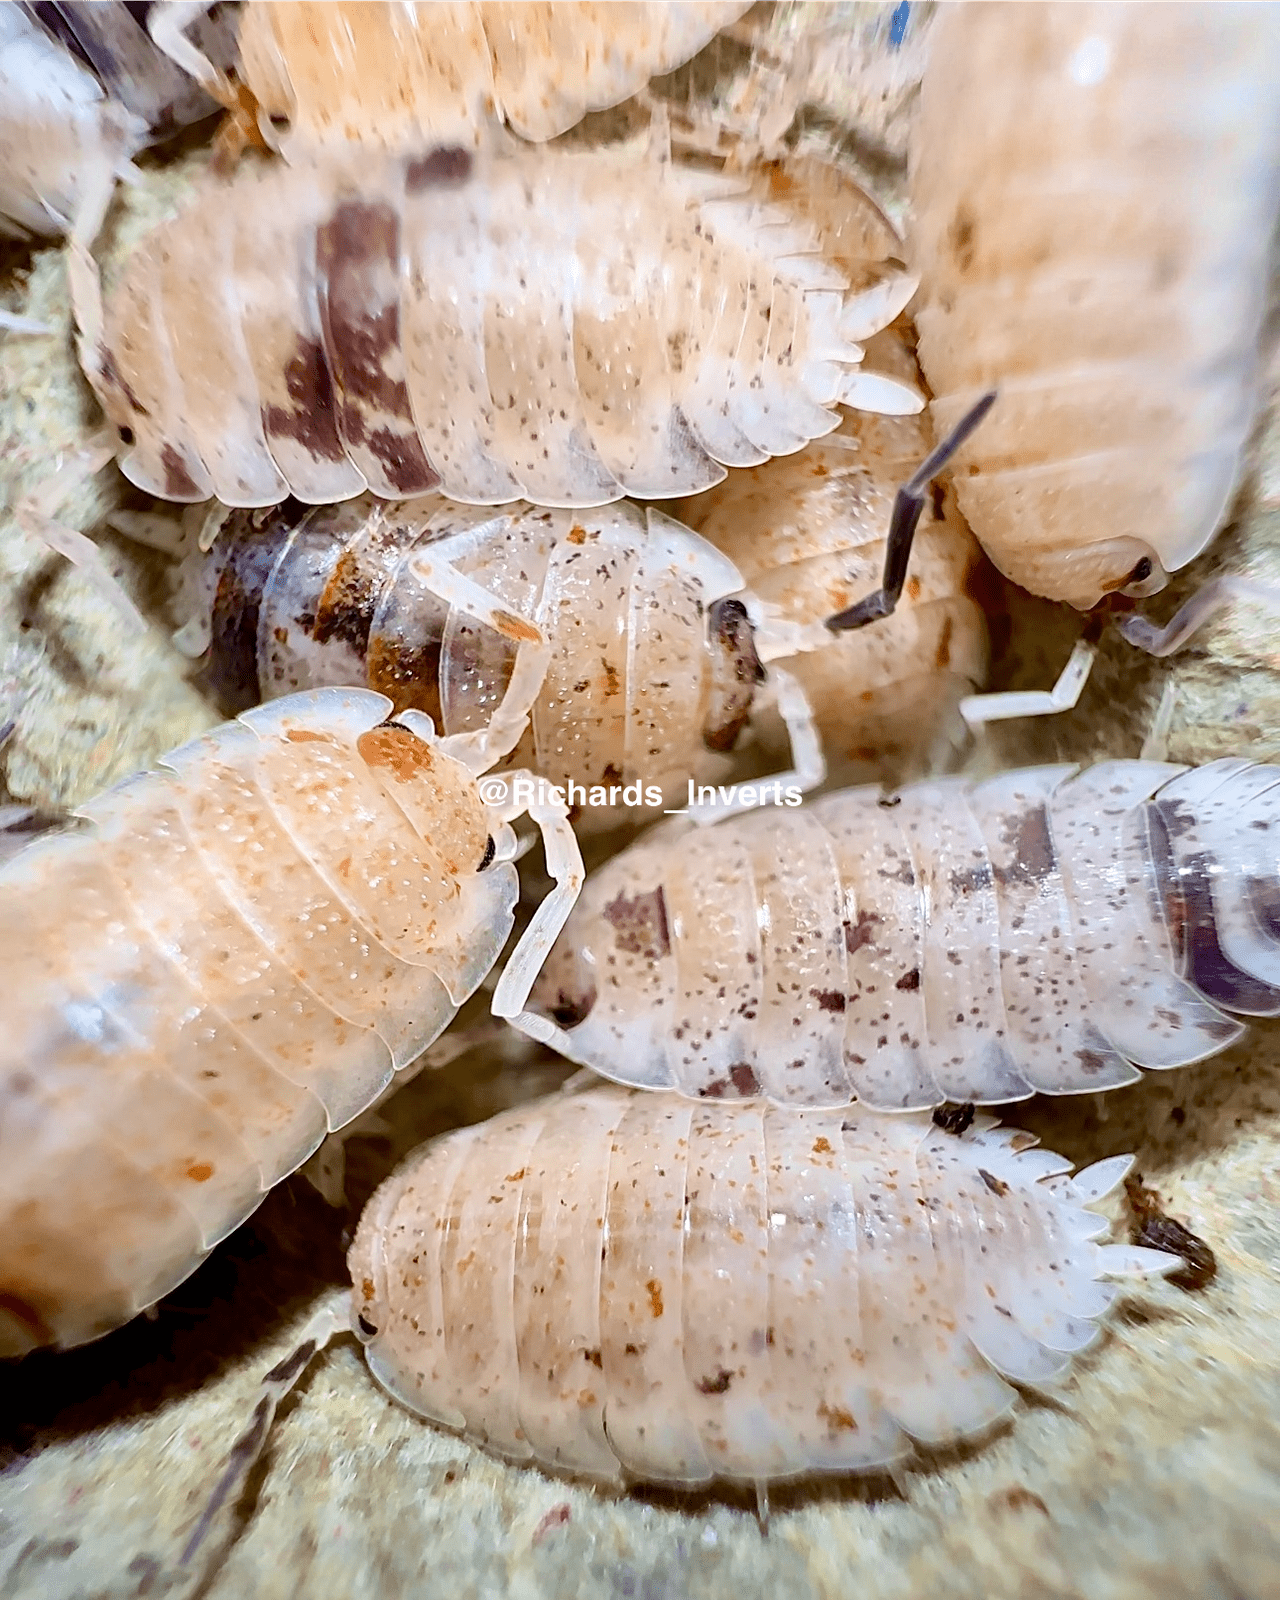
(238, 955)
(1095, 189)
(1042, 930)
(412, 76)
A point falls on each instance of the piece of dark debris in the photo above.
(953, 1118)
(1152, 1228)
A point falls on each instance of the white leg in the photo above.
(13, 323)
(810, 768)
(167, 24)
(1206, 602)
(482, 749)
(1155, 747)
(34, 514)
(977, 709)
(564, 863)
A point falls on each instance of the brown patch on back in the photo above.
(576, 535)
(640, 923)
(178, 483)
(397, 750)
(409, 675)
(960, 236)
(313, 421)
(858, 933)
(1034, 857)
(829, 999)
(997, 1185)
(1017, 1498)
(444, 168)
(942, 658)
(837, 1419)
(358, 263)
(199, 1171)
(717, 1385)
(822, 1147)
(306, 736)
(654, 1290)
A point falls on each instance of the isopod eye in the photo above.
(490, 850)
(1142, 571)
(366, 1327)
(126, 436)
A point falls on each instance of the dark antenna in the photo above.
(908, 503)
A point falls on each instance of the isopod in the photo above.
(1095, 189)
(77, 101)
(412, 76)
(1045, 930)
(653, 667)
(808, 533)
(239, 954)
(633, 1287)
(556, 326)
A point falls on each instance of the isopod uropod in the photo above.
(567, 328)
(1042, 930)
(239, 955)
(808, 533)
(636, 1286)
(1095, 189)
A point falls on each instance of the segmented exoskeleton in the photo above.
(558, 326)
(416, 75)
(1095, 189)
(641, 1287)
(652, 668)
(808, 535)
(1037, 931)
(82, 89)
(238, 955)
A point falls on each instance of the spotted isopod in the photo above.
(653, 665)
(239, 954)
(1095, 190)
(636, 1287)
(557, 326)
(1042, 930)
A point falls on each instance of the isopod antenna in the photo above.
(908, 503)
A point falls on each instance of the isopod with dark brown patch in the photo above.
(1045, 930)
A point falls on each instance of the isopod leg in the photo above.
(1206, 602)
(34, 514)
(327, 1323)
(433, 569)
(908, 504)
(564, 863)
(810, 768)
(167, 24)
(977, 709)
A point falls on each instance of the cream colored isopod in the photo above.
(1095, 190)
(636, 1287)
(239, 954)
